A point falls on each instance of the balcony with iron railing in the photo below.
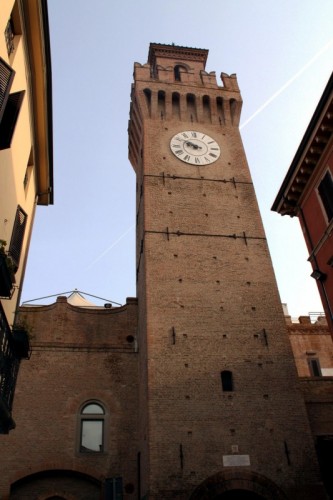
(9, 37)
(14, 346)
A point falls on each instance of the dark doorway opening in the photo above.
(239, 495)
(325, 458)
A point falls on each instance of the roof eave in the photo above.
(37, 40)
(280, 200)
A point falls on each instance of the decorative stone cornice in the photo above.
(176, 52)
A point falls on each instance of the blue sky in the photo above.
(282, 53)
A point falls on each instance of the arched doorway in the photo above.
(56, 484)
(237, 484)
(239, 495)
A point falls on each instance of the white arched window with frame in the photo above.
(92, 427)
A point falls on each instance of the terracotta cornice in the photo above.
(176, 52)
(310, 151)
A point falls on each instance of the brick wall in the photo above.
(311, 341)
(208, 302)
(78, 354)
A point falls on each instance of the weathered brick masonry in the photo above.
(78, 355)
(208, 301)
(196, 378)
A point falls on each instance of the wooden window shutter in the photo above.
(16, 241)
(7, 125)
(6, 79)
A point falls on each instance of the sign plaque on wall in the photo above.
(236, 460)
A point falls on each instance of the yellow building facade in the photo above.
(26, 166)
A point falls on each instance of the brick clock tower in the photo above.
(220, 412)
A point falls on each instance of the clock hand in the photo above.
(195, 146)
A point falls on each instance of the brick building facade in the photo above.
(26, 166)
(190, 391)
(312, 347)
(83, 354)
(307, 193)
(80, 356)
(217, 376)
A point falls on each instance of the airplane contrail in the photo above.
(100, 256)
(259, 110)
(289, 82)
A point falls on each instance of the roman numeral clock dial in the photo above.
(195, 148)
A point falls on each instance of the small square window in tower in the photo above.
(227, 382)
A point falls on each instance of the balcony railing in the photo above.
(9, 366)
(9, 37)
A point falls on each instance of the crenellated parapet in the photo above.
(230, 82)
(183, 74)
(174, 85)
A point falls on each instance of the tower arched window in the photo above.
(227, 382)
(176, 104)
(191, 107)
(92, 427)
(233, 109)
(161, 103)
(206, 106)
(147, 93)
(178, 69)
(220, 109)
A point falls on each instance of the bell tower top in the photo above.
(174, 86)
(169, 54)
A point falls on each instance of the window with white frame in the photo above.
(92, 428)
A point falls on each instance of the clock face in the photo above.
(195, 147)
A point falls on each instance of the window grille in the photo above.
(9, 37)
